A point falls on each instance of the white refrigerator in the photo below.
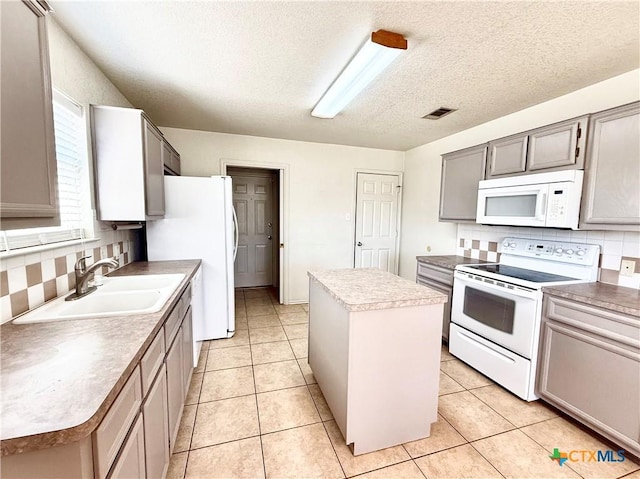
(200, 223)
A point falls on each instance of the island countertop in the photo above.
(366, 289)
(60, 378)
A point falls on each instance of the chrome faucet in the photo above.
(83, 274)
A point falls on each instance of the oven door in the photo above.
(524, 205)
(508, 317)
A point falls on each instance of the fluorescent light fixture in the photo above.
(375, 55)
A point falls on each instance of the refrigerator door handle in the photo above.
(235, 233)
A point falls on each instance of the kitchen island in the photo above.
(374, 348)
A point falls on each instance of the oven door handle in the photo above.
(492, 288)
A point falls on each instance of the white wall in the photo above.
(420, 226)
(321, 191)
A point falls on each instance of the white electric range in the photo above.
(496, 309)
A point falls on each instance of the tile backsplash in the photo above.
(481, 242)
(29, 280)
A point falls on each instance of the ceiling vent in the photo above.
(439, 113)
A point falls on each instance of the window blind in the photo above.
(71, 161)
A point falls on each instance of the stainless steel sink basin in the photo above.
(118, 295)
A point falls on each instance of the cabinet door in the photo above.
(167, 161)
(156, 427)
(131, 464)
(446, 311)
(592, 378)
(154, 170)
(557, 145)
(507, 156)
(187, 349)
(461, 172)
(175, 387)
(612, 185)
(27, 150)
(175, 162)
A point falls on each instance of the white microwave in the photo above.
(550, 200)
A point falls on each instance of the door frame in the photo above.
(354, 210)
(283, 205)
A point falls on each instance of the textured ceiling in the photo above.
(258, 68)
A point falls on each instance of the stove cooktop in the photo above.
(521, 273)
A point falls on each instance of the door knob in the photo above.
(269, 237)
(359, 243)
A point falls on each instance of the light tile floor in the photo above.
(254, 410)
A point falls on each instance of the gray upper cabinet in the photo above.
(27, 151)
(171, 159)
(559, 146)
(507, 156)
(461, 172)
(154, 170)
(129, 164)
(612, 175)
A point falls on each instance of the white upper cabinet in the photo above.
(128, 151)
(27, 151)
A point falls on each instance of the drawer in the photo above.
(151, 361)
(611, 325)
(441, 275)
(185, 301)
(113, 429)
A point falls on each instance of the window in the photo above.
(73, 184)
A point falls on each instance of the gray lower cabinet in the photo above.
(156, 427)
(187, 350)
(27, 148)
(131, 462)
(461, 172)
(590, 368)
(558, 146)
(440, 279)
(611, 194)
(175, 387)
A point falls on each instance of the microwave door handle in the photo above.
(541, 207)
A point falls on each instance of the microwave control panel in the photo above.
(557, 205)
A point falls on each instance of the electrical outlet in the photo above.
(428, 249)
(627, 267)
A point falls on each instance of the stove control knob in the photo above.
(559, 250)
(569, 251)
(512, 245)
(505, 244)
(580, 252)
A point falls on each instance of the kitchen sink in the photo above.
(140, 283)
(119, 295)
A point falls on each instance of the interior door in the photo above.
(376, 221)
(252, 199)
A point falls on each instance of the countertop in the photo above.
(449, 262)
(60, 378)
(604, 295)
(365, 289)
